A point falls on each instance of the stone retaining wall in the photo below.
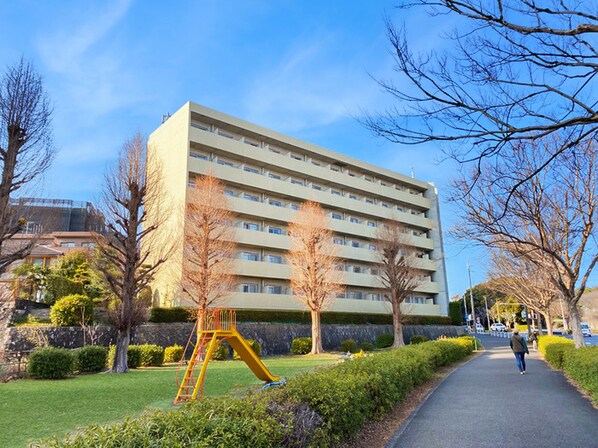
(275, 338)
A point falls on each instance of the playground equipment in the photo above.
(214, 327)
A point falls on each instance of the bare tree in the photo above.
(399, 273)
(313, 260)
(550, 220)
(129, 255)
(209, 245)
(26, 150)
(512, 71)
(528, 282)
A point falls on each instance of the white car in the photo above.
(585, 329)
(479, 328)
(498, 327)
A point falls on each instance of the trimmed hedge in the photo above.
(348, 345)
(418, 339)
(71, 310)
(183, 314)
(173, 353)
(384, 340)
(553, 348)
(151, 355)
(301, 346)
(50, 363)
(91, 358)
(314, 409)
(367, 346)
(221, 353)
(255, 346)
(582, 366)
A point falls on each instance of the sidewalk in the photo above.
(487, 403)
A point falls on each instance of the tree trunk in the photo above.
(575, 322)
(119, 363)
(316, 333)
(397, 325)
(548, 318)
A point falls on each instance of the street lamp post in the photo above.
(473, 321)
(487, 315)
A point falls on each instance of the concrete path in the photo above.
(487, 403)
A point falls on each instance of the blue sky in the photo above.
(303, 68)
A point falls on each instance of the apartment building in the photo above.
(267, 175)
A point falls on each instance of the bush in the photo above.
(91, 358)
(348, 345)
(255, 346)
(221, 353)
(314, 409)
(69, 311)
(582, 366)
(58, 286)
(418, 339)
(176, 314)
(455, 313)
(384, 340)
(133, 356)
(301, 346)
(151, 355)
(50, 363)
(367, 346)
(173, 353)
(553, 348)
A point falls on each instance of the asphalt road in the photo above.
(487, 403)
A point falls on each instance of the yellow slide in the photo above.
(244, 350)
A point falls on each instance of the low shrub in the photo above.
(174, 353)
(175, 314)
(255, 346)
(133, 356)
(221, 353)
(50, 363)
(553, 349)
(418, 339)
(301, 346)
(384, 340)
(582, 366)
(91, 358)
(71, 310)
(348, 345)
(367, 346)
(151, 355)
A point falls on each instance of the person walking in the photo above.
(533, 338)
(519, 347)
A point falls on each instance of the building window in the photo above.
(354, 243)
(352, 196)
(316, 187)
(225, 162)
(251, 170)
(372, 247)
(369, 179)
(374, 271)
(89, 244)
(275, 230)
(273, 289)
(384, 205)
(251, 197)
(369, 201)
(340, 295)
(294, 206)
(249, 287)
(274, 176)
(67, 244)
(275, 259)
(371, 224)
(250, 256)
(356, 295)
(197, 155)
(275, 203)
(336, 192)
(354, 220)
(316, 163)
(296, 157)
(251, 226)
(336, 216)
(337, 241)
(357, 269)
(297, 182)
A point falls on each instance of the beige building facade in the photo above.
(267, 175)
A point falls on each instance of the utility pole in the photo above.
(466, 315)
(475, 330)
(487, 314)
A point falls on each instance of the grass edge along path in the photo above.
(314, 409)
(35, 409)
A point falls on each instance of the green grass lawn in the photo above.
(33, 409)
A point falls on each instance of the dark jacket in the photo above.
(518, 344)
(532, 337)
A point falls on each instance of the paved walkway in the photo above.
(487, 403)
